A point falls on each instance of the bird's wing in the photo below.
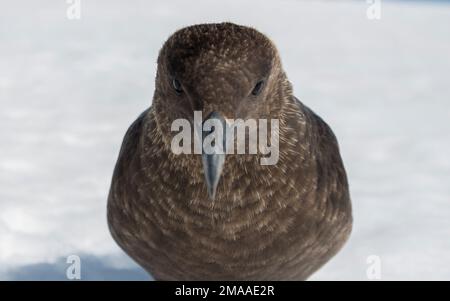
(131, 138)
(330, 166)
(122, 191)
(332, 191)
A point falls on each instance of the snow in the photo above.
(70, 88)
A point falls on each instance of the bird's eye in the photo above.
(177, 86)
(258, 88)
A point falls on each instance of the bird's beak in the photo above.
(213, 150)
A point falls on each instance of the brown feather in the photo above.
(275, 222)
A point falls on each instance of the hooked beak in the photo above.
(213, 150)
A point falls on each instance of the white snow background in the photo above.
(70, 88)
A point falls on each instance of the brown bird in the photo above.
(204, 217)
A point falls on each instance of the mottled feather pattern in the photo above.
(275, 222)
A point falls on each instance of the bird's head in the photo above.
(224, 70)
